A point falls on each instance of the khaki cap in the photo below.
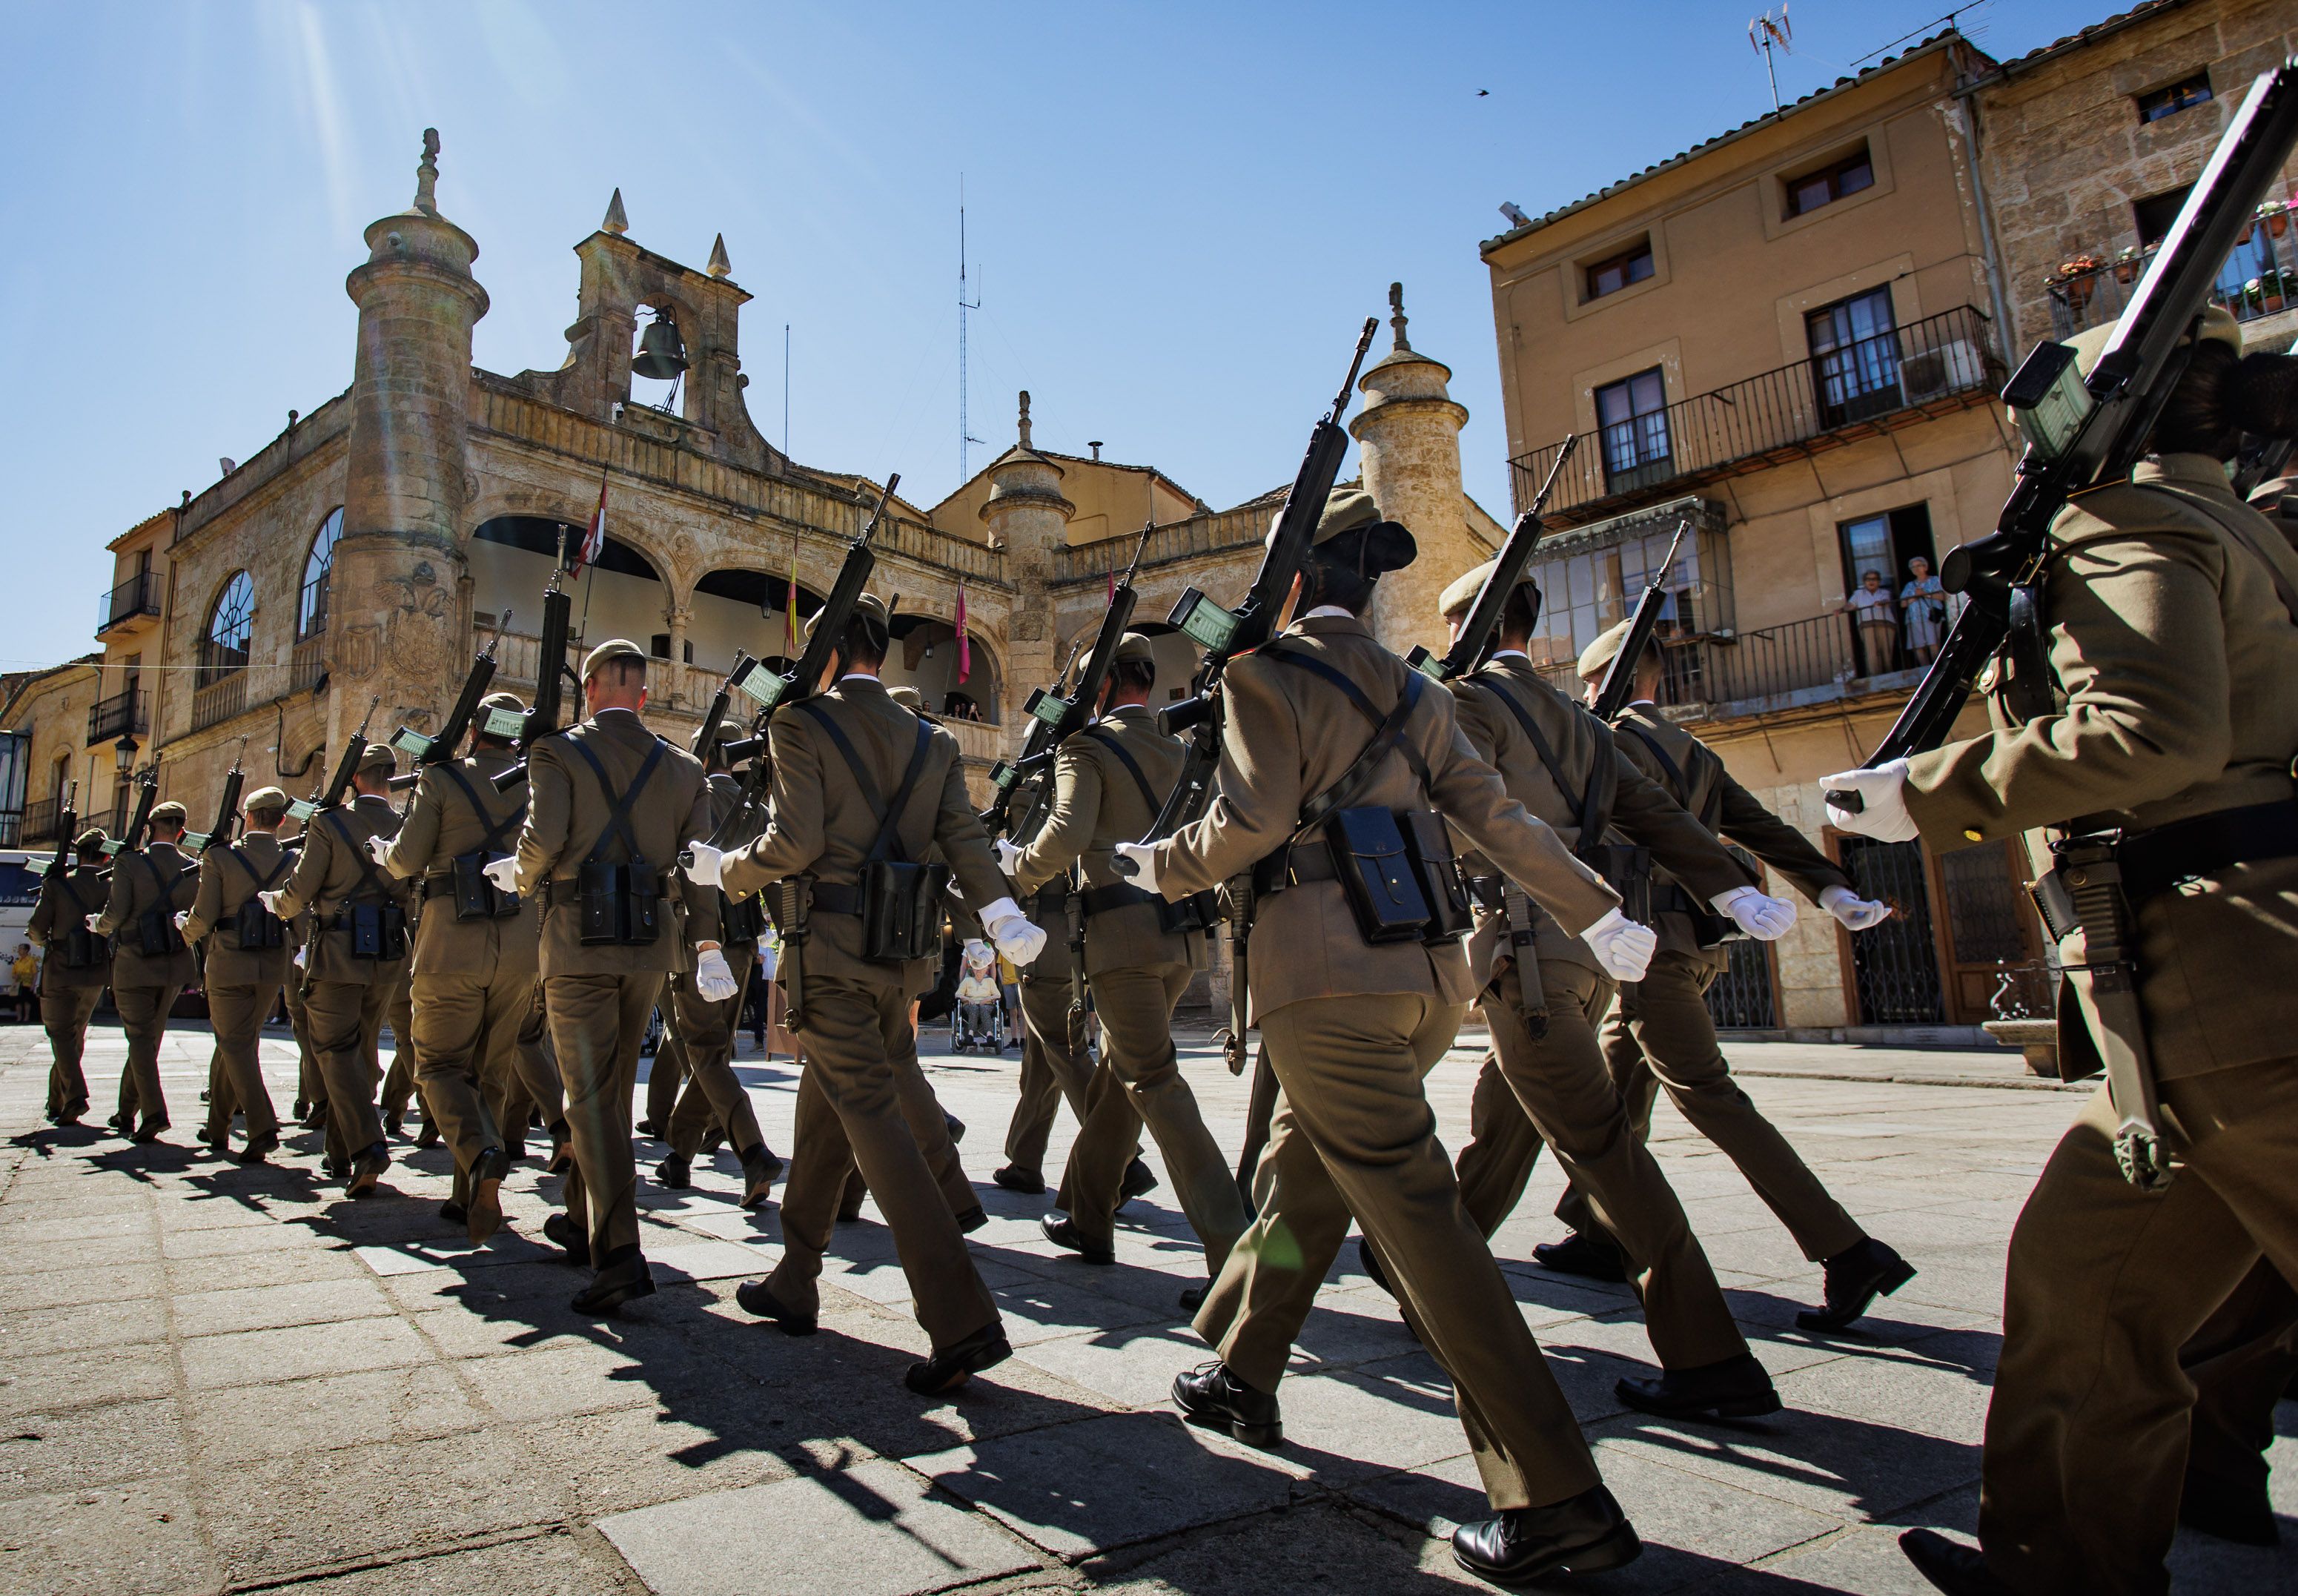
(379, 757)
(2218, 327)
(169, 813)
(1597, 657)
(908, 698)
(1385, 545)
(1464, 588)
(869, 606)
(89, 841)
(1134, 649)
(730, 730)
(613, 648)
(504, 700)
(265, 798)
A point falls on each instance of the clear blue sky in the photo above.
(1181, 212)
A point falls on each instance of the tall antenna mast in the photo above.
(1767, 33)
(965, 433)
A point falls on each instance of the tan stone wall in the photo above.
(53, 714)
(1112, 500)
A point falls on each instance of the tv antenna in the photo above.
(964, 306)
(1767, 33)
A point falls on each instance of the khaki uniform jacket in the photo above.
(566, 812)
(1717, 800)
(1290, 734)
(1643, 810)
(2176, 667)
(133, 891)
(442, 825)
(55, 912)
(1097, 805)
(327, 874)
(225, 884)
(822, 825)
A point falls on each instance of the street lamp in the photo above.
(123, 754)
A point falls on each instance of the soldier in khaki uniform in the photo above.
(1545, 1080)
(609, 800)
(248, 954)
(475, 959)
(76, 968)
(851, 768)
(2170, 612)
(701, 1029)
(1110, 781)
(150, 962)
(1350, 1028)
(1661, 1033)
(356, 946)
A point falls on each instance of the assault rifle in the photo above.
(1028, 770)
(438, 748)
(226, 823)
(331, 796)
(2084, 431)
(1224, 635)
(551, 673)
(803, 679)
(1620, 679)
(717, 716)
(147, 793)
(1480, 634)
(66, 831)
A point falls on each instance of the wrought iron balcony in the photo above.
(119, 714)
(2258, 278)
(1941, 363)
(1775, 667)
(133, 600)
(41, 816)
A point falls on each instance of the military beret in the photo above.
(503, 700)
(908, 698)
(613, 648)
(1350, 531)
(1464, 588)
(265, 798)
(1597, 657)
(169, 813)
(730, 730)
(2218, 327)
(89, 841)
(379, 757)
(868, 608)
(1133, 649)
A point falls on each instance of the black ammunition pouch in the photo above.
(618, 901)
(1627, 870)
(475, 897)
(375, 930)
(1428, 844)
(741, 922)
(153, 931)
(81, 948)
(255, 928)
(899, 902)
(1378, 877)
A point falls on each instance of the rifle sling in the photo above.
(1388, 734)
(497, 831)
(890, 816)
(618, 820)
(1592, 812)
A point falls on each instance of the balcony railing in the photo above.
(308, 664)
(119, 714)
(1239, 528)
(139, 595)
(40, 820)
(2259, 277)
(1943, 361)
(1749, 673)
(219, 700)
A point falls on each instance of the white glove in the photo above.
(1856, 913)
(1144, 857)
(271, 901)
(712, 979)
(704, 871)
(503, 873)
(1883, 792)
(1013, 935)
(1623, 948)
(183, 919)
(378, 849)
(1008, 857)
(300, 953)
(92, 919)
(1765, 919)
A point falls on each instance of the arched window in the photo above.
(223, 646)
(311, 616)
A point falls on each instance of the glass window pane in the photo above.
(1648, 392)
(1854, 178)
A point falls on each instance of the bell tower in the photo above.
(395, 624)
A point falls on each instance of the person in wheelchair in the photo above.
(981, 1009)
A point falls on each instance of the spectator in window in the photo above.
(1924, 601)
(1871, 605)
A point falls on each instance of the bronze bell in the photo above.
(661, 356)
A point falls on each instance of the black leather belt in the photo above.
(1052, 899)
(2157, 860)
(1101, 900)
(1311, 863)
(438, 886)
(830, 899)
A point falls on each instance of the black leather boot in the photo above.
(1855, 1277)
(1736, 1388)
(947, 1372)
(484, 1211)
(1582, 1534)
(1958, 1570)
(1582, 1255)
(1213, 1399)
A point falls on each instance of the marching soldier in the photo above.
(150, 962)
(609, 805)
(1661, 1033)
(2156, 741)
(75, 969)
(356, 946)
(701, 1029)
(1545, 1079)
(1111, 781)
(248, 954)
(860, 786)
(474, 962)
(1350, 1028)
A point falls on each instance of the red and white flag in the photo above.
(964, 649)
(594, 539)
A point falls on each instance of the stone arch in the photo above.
(510, 558)
(925, 657)
(733, 607)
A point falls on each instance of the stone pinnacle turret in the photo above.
(1409, 434)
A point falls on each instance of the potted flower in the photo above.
(2253, 296)
(2078, 280)
(2127, 263)
(2274, 289)
(2276, 215)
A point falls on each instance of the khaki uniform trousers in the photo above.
(1137, 1040)
(144, 1018)
(670, 1070)
(1354, 1135)
(2087, 1434)
(929, 1123)
(310, 1084)
(406, 1057)
(1662, 1035)
(598, 1023)
(524, 1081)
(64, 1013)
(345, 1018)
(705, 1034)
(465, 1030)
(857, 1106)
(1557, 1091)
(2241, 1362)
(1052, 1071)
(235, 1077)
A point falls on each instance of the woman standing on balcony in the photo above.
(1925, 603)
(1870, 604)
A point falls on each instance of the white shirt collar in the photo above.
(1512, 653)
(857, 676)
(1333, 610)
